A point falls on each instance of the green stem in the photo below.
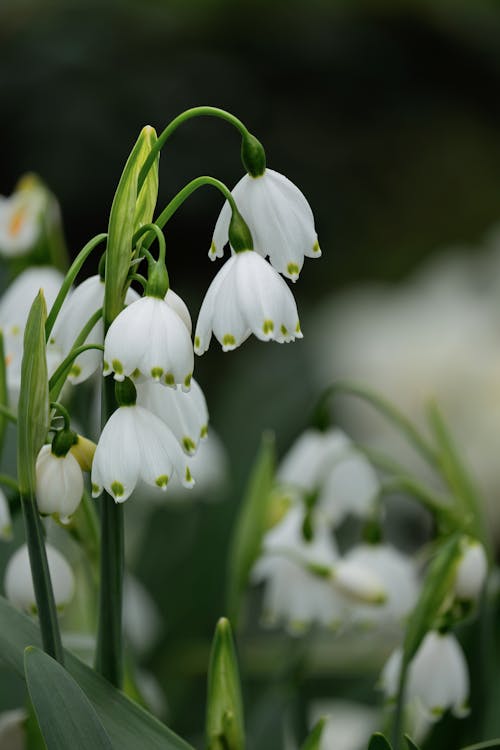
(179, 120)
(379, 403)
(109, 654)
(46, 606)
(65, 365)
(4, 394)
(156, 230)
(187, 190)
(397, 726)
(69, 279)
(63, 412)
(9, 482)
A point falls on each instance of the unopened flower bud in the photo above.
(59, 483)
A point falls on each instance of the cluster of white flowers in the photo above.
(324, 478)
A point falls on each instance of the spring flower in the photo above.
(20, 221)
(293, 594)
(16, 301)
(399, 578)
(348, 726)
(437, 680)
(18, 583)
(5, 519)
(471, 572)
(279, 218)
(149, 339)
(247, 296)
(185, 413)
(59, 483)
(136, 444)
(328, 464)
(142, 622)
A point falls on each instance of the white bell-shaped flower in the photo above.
(293, 594)
(5, 518)
(18, 583)
(78, 307)
(247, 296)
(358, 582)
(149, 339)
(177, 303)
(16, 301)
(306, 464)
(348, 725)
(472, 571)
(59, 483)
(438, 677)
(136, 444)
(398, 575)
(185, 413)
(20, 221)
(279, 218)
(142, 622)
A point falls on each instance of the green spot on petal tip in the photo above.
(117, 366)
(228, 340)
(156, 372)
(162, 481)
(117, 489)
(169, 379)
(268, 326)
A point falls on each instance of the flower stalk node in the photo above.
(253, 155)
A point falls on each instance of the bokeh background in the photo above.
(386, 114)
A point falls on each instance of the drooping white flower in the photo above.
(349, 725)
(59, 483)
(398, 574)
(279, 218)
(78, 307)
(293, 594)
(327, 463)
(136, 444)
(471, 572)
(149, 339)
(5, 519)
(18, 583)
(177, 303)
(438, 677)
(20, 221)
(358, 582)
(247, 296)
(185, 413)
(17, 299)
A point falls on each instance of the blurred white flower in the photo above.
(59, 483)
(398, 574)
(136, 444)
(5, 519)
(142, 621)
(18, 583)
(279, 218)
(438, 677)
(16, 301)
(149, 339)
(12, 732)
(329, 464)
(20, 221)
(185, 413)
(293, 595)
(471, 572)
(247, 296)
(349, 725)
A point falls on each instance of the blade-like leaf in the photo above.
(487, 745)
(65, 715)
(250, 526)
(33, 408)
(379, 742)
(146, 200)
(224, 726)
(437, 585)
(313, 741)
(410, 743)
(129, 727)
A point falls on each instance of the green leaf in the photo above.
(33, 408)
(458, 479)
(487, 745)
(379, 742)
(436, 587)
(122, 223)
(224, 723)
(410, 743)
(313, 741)
(251, 525)
(129, 727)
(65, 715)
(4, 397)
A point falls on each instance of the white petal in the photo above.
(18, 583)
(472, 571)
(59, 483)
(310, 458)
(19, 296)
(116, 463)
(5, 518)
(177, 303)
(351, 487)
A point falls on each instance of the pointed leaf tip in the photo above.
(313, 742)
(410, 743)
(379, 742)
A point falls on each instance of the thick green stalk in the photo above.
(179, 120)
(109, 656)
(46, 606)
(187, 190)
